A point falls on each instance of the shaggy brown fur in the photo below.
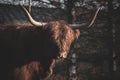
(29, 53)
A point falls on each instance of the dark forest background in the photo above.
(98, 48)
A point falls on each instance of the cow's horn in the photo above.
(84, 25)
(32, 20)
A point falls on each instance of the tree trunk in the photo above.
(70, 7)
(112, 58)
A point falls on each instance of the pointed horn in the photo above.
(93, 20)
(32, 20)
(89, 24)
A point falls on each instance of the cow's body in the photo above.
(28, 53)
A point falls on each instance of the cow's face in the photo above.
(66, 42)
(69, 38)
(63, 36)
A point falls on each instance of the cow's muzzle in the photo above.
(62, 55)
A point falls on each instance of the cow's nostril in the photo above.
(58, 57)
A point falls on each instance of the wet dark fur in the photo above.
(29, 53)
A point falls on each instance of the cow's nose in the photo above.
(58, 57)
(63, 55)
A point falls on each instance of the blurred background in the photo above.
(96, 54)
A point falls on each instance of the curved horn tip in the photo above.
(36, 23)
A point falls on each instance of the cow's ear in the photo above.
(77, 33)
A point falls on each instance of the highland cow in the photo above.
(29, 53)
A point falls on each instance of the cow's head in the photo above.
(62, 36)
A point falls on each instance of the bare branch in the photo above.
(30, 4)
